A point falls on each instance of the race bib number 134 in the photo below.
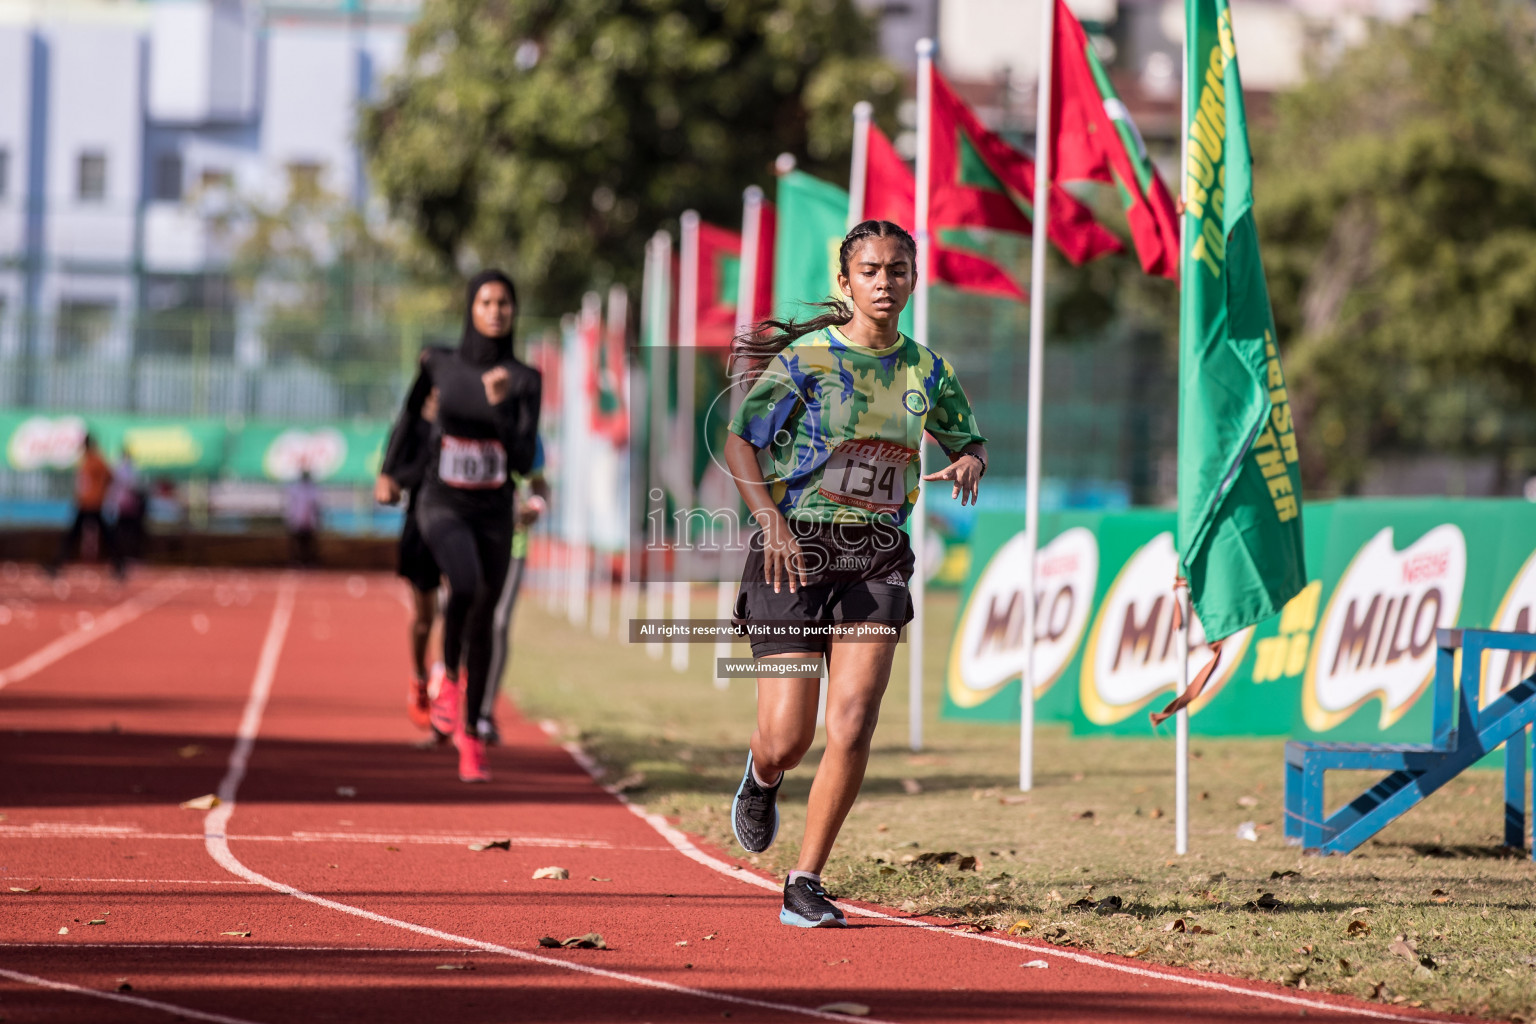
(867, 474)
(472, 463)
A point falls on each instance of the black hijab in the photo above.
(476, 348)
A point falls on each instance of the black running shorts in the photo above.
(855, 572)
(413, 559)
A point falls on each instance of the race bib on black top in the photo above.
(472, 463)
(869, 474)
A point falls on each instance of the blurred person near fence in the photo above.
(128, 498)
(302, 515)
(93, 478)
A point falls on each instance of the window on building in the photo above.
(82, 327)
(303, 179)
(5, 172)
(168, 177)
(91, 177)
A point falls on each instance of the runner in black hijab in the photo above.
(486, 429)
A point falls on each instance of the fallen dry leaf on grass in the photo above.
(1019, 927)
(591, 940)
(848, 1009)
(1176, 925)
(1035, 963)
(238, 935)
(630, 783)
(1357, 928)
(494, 844)
(200, 803)
(1009, 801)
(558, 874)
(1281, 875)
(911, 787)
(35, 888)
(1400, 946)
(1265, 902)
(1247, 832)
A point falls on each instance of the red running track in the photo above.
(343, 851)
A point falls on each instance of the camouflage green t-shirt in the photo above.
(839, 425)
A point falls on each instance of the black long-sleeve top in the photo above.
(464, 414)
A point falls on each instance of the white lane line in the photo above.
(682, 844)
(146, 881)
(216, 841)
(118, 997)
(97, 627)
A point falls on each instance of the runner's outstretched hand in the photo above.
(965, 473)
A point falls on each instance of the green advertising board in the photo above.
(333, 453)
(1348, 659)
(174, 447)
(342, 453)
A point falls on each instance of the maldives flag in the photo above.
(890, 193)
(980, 181)
(1094, 139)
(604, 349)
(719, 268)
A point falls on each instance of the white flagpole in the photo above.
(659, 353)
(579, 430)
(746, 299)
(687, 349)
(1181, 593)
(1036, 390)
(858, 169)
(925, 48)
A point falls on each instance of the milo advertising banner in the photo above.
(1349, 658)
(347, 453)
(335, 454)
(51, 441)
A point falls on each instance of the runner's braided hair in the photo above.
(755, 347)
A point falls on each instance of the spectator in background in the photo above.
(92, 479)
(128, 499)
(301, 514)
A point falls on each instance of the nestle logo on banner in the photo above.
(1061, 565)
(1430, 565)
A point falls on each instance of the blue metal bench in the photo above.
(1417, 770)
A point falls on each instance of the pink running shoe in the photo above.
(472, 766)
(419, 704)
(445, 706)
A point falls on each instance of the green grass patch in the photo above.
(1435, 886)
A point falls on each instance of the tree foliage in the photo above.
(553, 136)
(1397, 207)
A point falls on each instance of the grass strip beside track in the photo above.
(1436, 877)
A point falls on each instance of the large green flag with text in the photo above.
(1239, 522)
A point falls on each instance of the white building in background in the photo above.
(125, 127)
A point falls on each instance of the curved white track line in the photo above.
(113, 618)
(682, 844)
(118, 997)
(217, 844)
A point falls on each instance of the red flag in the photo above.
(890, 192)
(719, 256)
(604, 352)
(1094, 139)
(980, 181)
(762, 289)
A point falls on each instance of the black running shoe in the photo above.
(807, 905)
(755, 812)
(489, 734)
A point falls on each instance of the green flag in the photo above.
(1239, 524)
(812, 220)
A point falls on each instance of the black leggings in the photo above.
(474, 553)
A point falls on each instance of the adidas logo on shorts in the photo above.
(895, 577)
